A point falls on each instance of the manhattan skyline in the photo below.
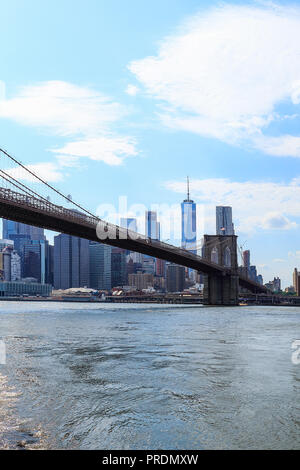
(120, 120)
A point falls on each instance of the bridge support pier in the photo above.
(221, 290)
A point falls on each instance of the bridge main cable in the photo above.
(21, 186)
(45, 182)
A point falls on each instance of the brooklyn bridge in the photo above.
(32, 204)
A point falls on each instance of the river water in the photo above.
(127, 376)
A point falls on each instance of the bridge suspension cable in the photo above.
(21, 186)
(41, 180)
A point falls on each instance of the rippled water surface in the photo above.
(82, 376)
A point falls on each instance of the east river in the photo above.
(125, 376)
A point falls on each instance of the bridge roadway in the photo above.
(42, 213)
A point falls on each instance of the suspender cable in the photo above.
(47, 184)
(24, 186)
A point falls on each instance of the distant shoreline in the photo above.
(15, 299)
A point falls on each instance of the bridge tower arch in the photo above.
(223, 288)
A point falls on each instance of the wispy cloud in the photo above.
(253, 202)
(62, 108)
(224, 72)
(46, 170)
(294, 254)
(80, 113)
(283, 146)
(275, 221)
(109, 150)
(132, 90)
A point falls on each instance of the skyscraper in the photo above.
(137, 258)
(100, 266)
(36, 233)
(296, 281)
(10, 262)
(246, 262)
(246, 259)
(71, 262)
(277, 284)
(49, 265)
(9, 227)
(35, 259)
(118, 267)
(160, 267)
(141, 280)
(224, 225)
(129, 223)
(175, 278)
(152, 227)
(32, 237)
(152, 230)
(158, 231)
(5, 262)
(148, 264)
(15, 266)
(12, 228)
(188, 223)
(19, 242)
(253, 273)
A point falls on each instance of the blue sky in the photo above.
(110, 99)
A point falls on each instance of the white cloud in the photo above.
(275, 220)
(256, 205)
(68, 161)
(68, 110)
(45, 170)
(225, 71)
(110, 151)
(132, 90)
(62, 108)
(284, 146)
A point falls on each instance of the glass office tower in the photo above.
(100, 266)
(152, 227)
(10, 228)
(224, 225)
(188, 223)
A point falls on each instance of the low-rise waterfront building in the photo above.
(289, 290)
(24, 287)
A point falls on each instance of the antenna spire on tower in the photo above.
(188, 188)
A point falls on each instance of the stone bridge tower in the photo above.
(221, 289)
